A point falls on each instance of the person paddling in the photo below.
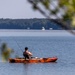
(26, 53)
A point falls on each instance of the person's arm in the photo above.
(29, 53)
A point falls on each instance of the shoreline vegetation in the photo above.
(29, 24)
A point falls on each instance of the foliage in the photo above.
(58, 9)
(5, 52)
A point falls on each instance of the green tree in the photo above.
(5, 52)
(64, 10)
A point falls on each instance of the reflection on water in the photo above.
(38, 69)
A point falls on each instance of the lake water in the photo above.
(41, 44)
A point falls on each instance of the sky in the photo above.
(18, 9)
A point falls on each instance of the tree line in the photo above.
(28, 24)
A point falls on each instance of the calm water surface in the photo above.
(41, 46)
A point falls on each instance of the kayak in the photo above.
(33, 60)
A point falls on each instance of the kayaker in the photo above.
(26, 53)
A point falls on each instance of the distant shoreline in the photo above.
(47, 33)
(25, 30)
